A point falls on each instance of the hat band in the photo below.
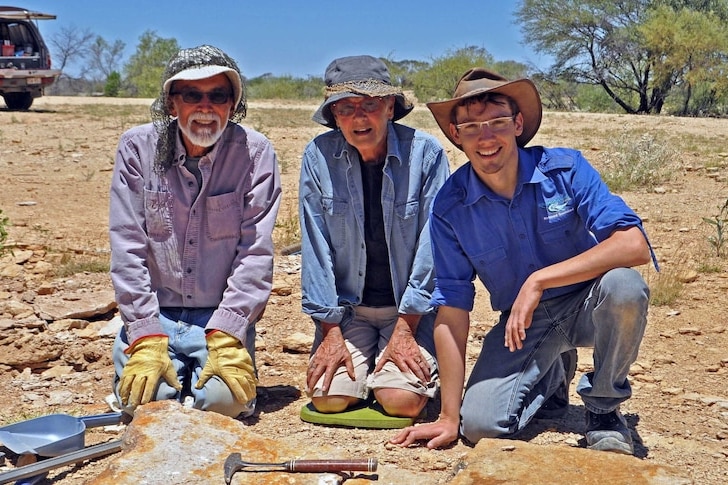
(370, 87)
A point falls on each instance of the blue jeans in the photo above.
(185, 328)
(505, 389)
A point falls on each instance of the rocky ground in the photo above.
(57, 313)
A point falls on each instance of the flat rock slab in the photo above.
(499, 461)
(84, 305)
(169, 444)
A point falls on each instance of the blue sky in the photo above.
(300, 37)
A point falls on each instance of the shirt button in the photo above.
(189, 297)
(189, 270)
(190, 183)
(191, 242)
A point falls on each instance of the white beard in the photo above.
(203, 135)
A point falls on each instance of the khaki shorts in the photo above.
(366, 336)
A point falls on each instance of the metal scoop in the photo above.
(235, 463)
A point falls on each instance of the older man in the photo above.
(366, 188)
(194, 198)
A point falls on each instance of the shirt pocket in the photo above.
(559, 232)
(334, 207)
(223, 216)
(158, 214)
(407, 220)
(340, 227)
(495, 270)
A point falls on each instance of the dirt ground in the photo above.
(55, 167)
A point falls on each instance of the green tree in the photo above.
(689, 50)
(143, 72)
(619, 44)
(595, 42)
(113, 85)
(268, 86)
(439, 80)
(401, 72)
(4, 222)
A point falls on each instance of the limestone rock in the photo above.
(298, 343)
(495, 461)
(75, 305)
(170, 444)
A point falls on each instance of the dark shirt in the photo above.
(378, 291)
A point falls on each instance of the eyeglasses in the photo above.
(346, 108)
(475, 128)
(194, 96)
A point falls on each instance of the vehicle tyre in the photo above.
(18, 101)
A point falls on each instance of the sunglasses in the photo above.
(194, 96)
(475, 128)
(347, 108)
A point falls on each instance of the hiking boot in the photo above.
(557, 405)
(608, 432)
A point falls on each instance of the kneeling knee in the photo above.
(396, 402)
(333, 404)
(476, 428)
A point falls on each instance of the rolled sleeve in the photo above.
(455, 274)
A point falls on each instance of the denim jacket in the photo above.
(332, 221)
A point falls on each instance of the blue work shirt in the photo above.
(560, 208)
(331, 207)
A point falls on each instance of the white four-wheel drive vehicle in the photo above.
(25, 63)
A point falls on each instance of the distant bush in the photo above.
(113, 85)
(3, 232)
(720, 225)
(635, 160)
(285, 87)
(71, 265)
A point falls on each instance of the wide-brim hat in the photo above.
(478, 81)
(358, 76)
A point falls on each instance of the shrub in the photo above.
(635, 160)
(3, 232)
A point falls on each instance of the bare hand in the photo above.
(440, 433)
(403, 350)
(521, 316)
(329, 356)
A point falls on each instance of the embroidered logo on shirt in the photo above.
(558, 208)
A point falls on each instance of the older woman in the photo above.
(365, 193)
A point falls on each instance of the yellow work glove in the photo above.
(228, 359)
(148, 362)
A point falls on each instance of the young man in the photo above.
(365, 194)
(554, 248)
(194, 199)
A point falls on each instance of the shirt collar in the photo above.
(528, 173)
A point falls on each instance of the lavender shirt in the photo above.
(175, 244)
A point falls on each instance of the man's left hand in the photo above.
(403, 350)
(228, 359)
